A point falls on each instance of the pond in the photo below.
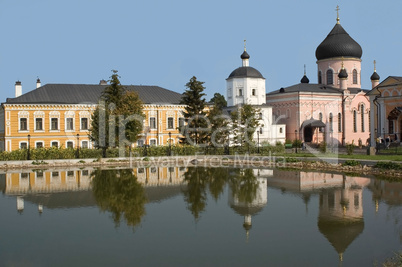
(196, 216)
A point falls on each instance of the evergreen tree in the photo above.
(218, 122)
(118, 119)
(195, 130)
(245, 122)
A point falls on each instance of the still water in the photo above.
(176, 216)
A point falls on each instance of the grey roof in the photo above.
(90, 93)
(338, 43)
(314, 88)
(245, 72)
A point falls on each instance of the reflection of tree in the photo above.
(244, 186)
(119, 192)
(195, 195)
(217, 180)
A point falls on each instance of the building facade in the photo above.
(60, 115)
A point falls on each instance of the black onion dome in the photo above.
(243, 72)
(342, 74)
(245, 55)
(304, 79)
(338, 43)
(375, 76)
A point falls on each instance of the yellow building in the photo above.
(60, 115)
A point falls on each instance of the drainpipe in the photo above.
(343, 121)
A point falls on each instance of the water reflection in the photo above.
(125, 193)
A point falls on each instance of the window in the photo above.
(229, 92)
(181, 122)
(253, 92)
(39, 144)
(390, 126)
(39, 174)
(330, 77)
(153, 169)
(152, 142)
(240, 92)
(140, 143)
(84, 123)
(152, 123)
(354, 76)
(261, 130)
(171, 169)
(354, 121)
(331, 120)
(38, 124)
(23, 124)
(84, 144)
(55, 174)
(55, 144)
(260, 115)
(85, 173)
(280, 130)
(70, 173)
(23, 145)
(54, 124)
(24, 175)
(70, 144)
(339, 122)
(141, 170)
(69, 124)
(362, 117)
(170, 123)
(319, 77)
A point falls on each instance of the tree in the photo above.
(118, 119)
(218, 121)
(195, 130)
(245, 122)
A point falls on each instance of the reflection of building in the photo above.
(72, 188)
(340, 217)
(247, 202)
(389, 192)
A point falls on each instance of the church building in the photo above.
(335, 110)
(246, 85)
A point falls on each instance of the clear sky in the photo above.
(166, 42)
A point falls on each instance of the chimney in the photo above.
(38, 83)
(18, 89)
(103, 82)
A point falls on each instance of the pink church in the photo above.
(335, 110)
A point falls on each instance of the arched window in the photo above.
(330, 77)
(319, 77)
(331, 120)
(354, 121)
(253, 92)
(354, 76)
(339, 122)
(362, 115)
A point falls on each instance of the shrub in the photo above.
(388, 165)
(351, 163)
(350, 148)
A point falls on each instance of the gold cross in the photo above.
(244, 45)
(374, 65)
(337, 14)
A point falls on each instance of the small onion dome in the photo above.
(343, 74)
(375, 76)
(338, 43)
(245, 55)
(304, 79)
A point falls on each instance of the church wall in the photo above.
(335, 64)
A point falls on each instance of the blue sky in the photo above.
(166, 42)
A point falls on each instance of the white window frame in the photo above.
(54, 115)
(19, 145)
(69, 115)
(67, 141)
(23, 114)
(149, 123)
(153, 139)
(81, 146)
(85, 115)
(39, 115)
(53, 141)
(39, 141)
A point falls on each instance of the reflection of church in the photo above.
(247, 209)
(340, 217)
